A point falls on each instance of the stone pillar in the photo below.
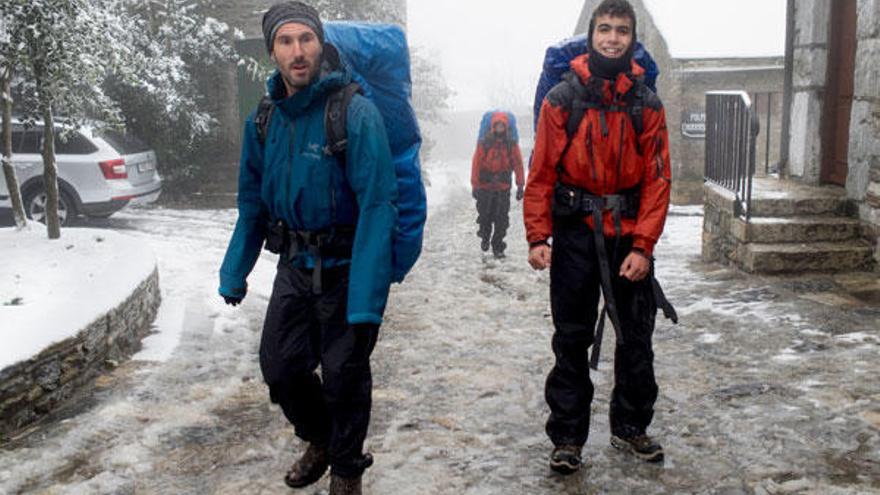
(863, 181)
(810, 64)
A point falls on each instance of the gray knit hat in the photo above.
(282, 13)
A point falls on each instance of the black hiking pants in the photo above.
(493, 209)
(302, 331)
(574, 297)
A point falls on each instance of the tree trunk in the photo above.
(50, 174)
(8, 169)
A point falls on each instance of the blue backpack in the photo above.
(487, 121)
(378, 58)
(557, 60)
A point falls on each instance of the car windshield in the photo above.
(124, 144)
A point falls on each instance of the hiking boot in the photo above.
(344, 486)
(565, 459)
(499, 254)
(309, 468)
(498, 250)
(642, 446)
(484, 244)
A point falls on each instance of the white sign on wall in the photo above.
(693, 125)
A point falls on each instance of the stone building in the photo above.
(823, 214)
(835, 113)
(690, 65)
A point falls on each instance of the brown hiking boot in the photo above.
(344, 486)
(642, 446)
(309, 468)
(565, 459)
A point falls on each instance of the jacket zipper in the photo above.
(619, 156)
(333, 181)
(590, 153)
(291, 207)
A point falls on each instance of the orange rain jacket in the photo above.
(496, 156)
(601, 161)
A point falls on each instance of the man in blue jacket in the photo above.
(333, 225)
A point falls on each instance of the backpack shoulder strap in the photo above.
(642, 96)
(263, 117)
(336, 120)
(577, 104)
(636, 106)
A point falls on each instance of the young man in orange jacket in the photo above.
(598, 190)
(497, 158)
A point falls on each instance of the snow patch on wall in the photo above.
(50, 290)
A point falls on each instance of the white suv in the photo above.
(98, 172)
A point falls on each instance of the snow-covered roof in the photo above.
(720, 28)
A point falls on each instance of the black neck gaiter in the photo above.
(609, 68)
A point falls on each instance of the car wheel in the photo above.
(35, 206)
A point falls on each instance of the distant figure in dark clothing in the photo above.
(496, 159)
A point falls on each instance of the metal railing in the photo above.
(731, 136)
(768, 109)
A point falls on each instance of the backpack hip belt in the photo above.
(336, 243)
(570, 200)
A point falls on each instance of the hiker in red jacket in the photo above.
(497, 157)
(594, 207)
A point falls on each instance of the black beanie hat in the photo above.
(282, 13)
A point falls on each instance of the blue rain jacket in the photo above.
(293, 180)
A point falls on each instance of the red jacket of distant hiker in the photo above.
(496, 159)
(603, 158)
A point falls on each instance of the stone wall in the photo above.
(808, 86)
(863, 181)
(719, 225)
(32, 389)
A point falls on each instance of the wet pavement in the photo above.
(768, 385)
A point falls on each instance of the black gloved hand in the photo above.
(519, 193)
(232, 301)
(365, 337)
(474, 193)
(364, 327)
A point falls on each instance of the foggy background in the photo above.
(491, 53)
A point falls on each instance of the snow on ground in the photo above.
(458, 404)
(51, 289)
(190, 247)
(444, 177)
(716, 29)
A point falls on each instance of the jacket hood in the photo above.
(332, 76)
(499, 117)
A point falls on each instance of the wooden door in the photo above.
(839, 92)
